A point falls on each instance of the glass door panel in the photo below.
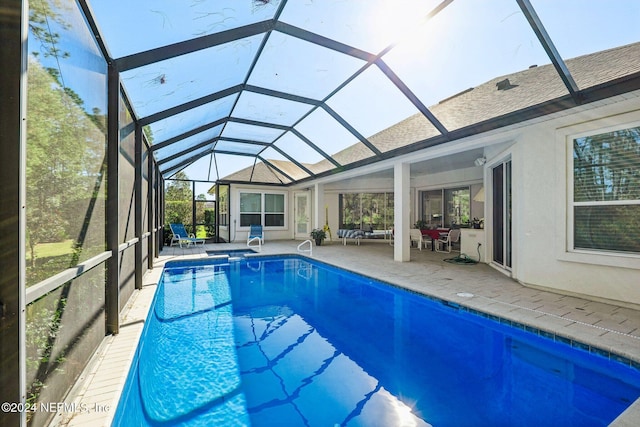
(301, 215)
(498, 214)
(432, 208)
(223, 231)
(501, 222)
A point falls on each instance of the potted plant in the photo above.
(318, 234)
(421, 224)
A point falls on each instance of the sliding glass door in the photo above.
(501, 182)
(432, 208)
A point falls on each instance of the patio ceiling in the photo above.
(288, 91)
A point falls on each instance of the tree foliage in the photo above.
(65, 157)
(607, 166)
(41, 15)
(606, 170)
(65, 200)
(178, 199)
(365, 210)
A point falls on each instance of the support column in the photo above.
(12, 211)
(159, 185)
(151, 210)
(137, 190)
(112, 289)
(217, 215)
(193, 206)
(401, 201)
(318, 206)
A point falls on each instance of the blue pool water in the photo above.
(284, 341)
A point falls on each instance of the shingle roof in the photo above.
(524, 89)
(266, 174)
(535, 86)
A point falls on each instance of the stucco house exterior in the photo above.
(558, 193)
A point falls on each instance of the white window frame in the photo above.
(565, 248)
(263, 211)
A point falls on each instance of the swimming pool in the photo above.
(288, 341)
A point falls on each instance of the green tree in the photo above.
(606, 170)
(65, 156)
(178, 200)
(148, 133)
(607, 166)
(41, 15)
(350, 210)
(200, 207)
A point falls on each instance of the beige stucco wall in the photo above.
(239, 234)
(541, 256)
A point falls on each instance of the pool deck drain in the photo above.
(606, 326)
(465, 294)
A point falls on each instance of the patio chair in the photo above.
(256, 231)
(181, 236)
(415, 235)
(445, 242)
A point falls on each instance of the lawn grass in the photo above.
(55, 249)
(201, 232)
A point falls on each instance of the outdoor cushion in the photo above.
(350, 234)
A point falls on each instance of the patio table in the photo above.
(434, 235)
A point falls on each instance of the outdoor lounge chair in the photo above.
(181, 236)
(355, 235)
(255, 231)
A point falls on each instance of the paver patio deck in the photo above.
(607, 327)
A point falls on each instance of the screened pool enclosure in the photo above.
(107, 102)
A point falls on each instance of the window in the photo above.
(606, 191)
(262, 208)
(432, 208)
(457, 207)
(350, 215)
(274, 210)
(448, 207)
(366, 210)
(250, 209)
